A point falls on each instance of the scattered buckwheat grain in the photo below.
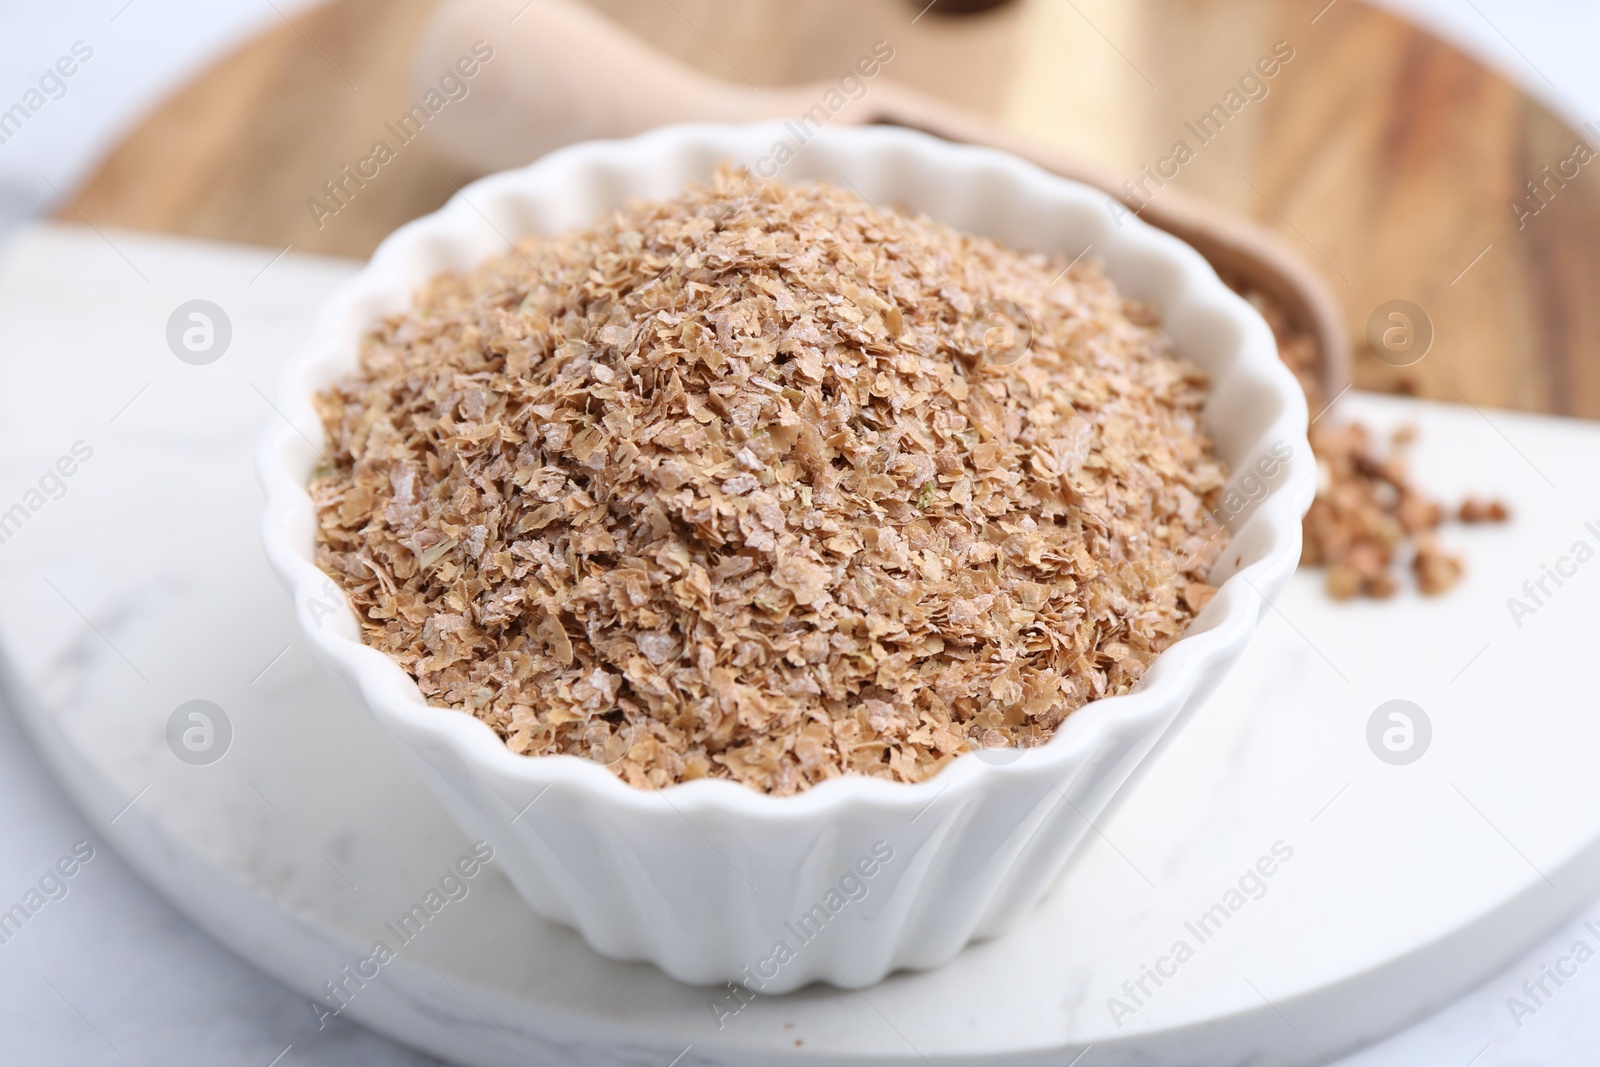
(1368, 517)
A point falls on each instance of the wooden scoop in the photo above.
(562, 73)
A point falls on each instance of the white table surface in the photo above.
(109, 974)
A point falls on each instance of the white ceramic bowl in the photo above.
(856, 877)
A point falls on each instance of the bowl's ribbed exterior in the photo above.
(854, 878)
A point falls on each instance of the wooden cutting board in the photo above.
(1388, 158)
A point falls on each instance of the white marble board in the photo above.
(138, 584)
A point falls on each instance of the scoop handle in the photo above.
(561, 73)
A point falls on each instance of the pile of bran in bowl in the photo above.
(762, 482)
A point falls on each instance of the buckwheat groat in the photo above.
(764, 482)
(1371, 516)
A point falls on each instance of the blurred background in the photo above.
(1402, 148)
(1388, 152)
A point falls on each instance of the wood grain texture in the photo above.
(1388, 158)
